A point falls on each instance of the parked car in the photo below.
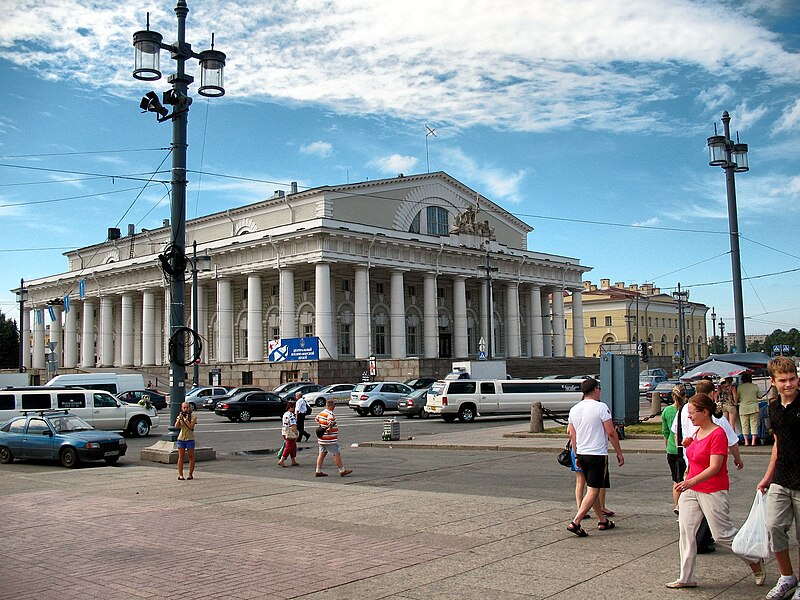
(58, 435)
(423, 383)
(376, 397)
(157, 399)
(210, 402)
(304, 389)
(660, 372)
(246, 405)
(337, 391)
(648, 382)
(197, 396)
(287, 387)
(414, 404)
(556, 377)
(664, 389)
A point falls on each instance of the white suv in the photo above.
(376, 397)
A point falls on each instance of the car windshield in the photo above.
(69, 424)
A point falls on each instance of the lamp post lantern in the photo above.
(732, 157)
(147, 46)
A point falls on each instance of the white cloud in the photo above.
(318, 148)
(500, 183)
(716, 97)
(789, 120)
(652, 222)
(522, 66)
(394, 163)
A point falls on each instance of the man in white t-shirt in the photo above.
(590, 429)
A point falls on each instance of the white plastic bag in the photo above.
(751, 539)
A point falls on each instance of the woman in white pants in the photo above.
(704, 492)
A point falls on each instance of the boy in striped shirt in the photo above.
(329, 441)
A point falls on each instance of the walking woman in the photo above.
(728, 400)
(749, 409)
(675, 458)
(704, 492)
(290, 435)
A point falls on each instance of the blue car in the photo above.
(58, 435)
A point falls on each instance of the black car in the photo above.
(210, 402)
(246, 405)
(157, 399)
(304, 389)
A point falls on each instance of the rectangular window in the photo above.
(412, 290)
(275, 289)
(468, 295)
(379, 289)
(306, 285)
(344, 339)
(7, 402)
(36, 402)
(439, 292)
(244, 294)
(276, 333)
(608, 321)
(308, 331)
(247, 378)
(380, 339)
(649, 321)
(345, 285)
(71, 400)
(411, 340)
(437, 221)
(592, 321)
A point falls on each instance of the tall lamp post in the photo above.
(682, 297)
(722, 334)
(488, 268)
(22, 295)
(713, 331)
(147, 47)
(200, 264)
(732, 157)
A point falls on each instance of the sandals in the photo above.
(576, 529)
(608, 513)
(606, 525)
(180, 478)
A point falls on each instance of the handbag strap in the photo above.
(679, 433)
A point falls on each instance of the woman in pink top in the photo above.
(704, 492)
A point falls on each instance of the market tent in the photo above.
(714, 368)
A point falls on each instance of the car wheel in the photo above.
(424, 414)
(111, 460)
(140, 427)
(245, 416)
(376, 410)
(5, 455)
(362, 412)
(69, 458)
(467, 413)
(448, 418)
(319, 401)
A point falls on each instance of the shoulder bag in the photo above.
(564, 457)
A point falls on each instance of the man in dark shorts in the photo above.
(590, 429)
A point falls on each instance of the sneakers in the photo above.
(345, 473)
(782, 588)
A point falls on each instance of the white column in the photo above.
(512, 320)
(87, 335)
(126, 332)
(138, 314)
(460, 346)
(398, 315)
(148, 328)
(38, 339)
(287, 308)
(547, 328)
(484, 308)
(578, 336)
(118, 337)
(25, 332)
(430, 316)
(202, 319)
(225, 321)
(71, 337)
(159, 327)
(324, 311)
(361, 332)
(106, 331)
(559, 334)
(56, 334)
(535, 319)
(255, 324)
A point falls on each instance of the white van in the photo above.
(110, 382)
(469, 398)
(97, 407)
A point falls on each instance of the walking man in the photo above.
(590, 428)
(329, 441)
(781, 481)
(301, 409)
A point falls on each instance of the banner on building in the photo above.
(52, 313)
(39, 316)
(66, 304)
(304, 348)
(82, 289)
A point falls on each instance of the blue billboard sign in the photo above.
(285, 349)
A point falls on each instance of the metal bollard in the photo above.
(537, 418)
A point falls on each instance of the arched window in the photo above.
(414, 224)
(438, 221)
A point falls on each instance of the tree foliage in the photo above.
(9, 343)
(789, 338)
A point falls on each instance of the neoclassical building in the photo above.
(391, 268)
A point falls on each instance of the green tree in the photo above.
(789, 338)
(9, 343)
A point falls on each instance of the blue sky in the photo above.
(586, 119)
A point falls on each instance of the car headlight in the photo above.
(122, 442)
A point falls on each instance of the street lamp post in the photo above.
(732, 157)
(682, 297)
(22, 295)
(488, 268)
(199, 264)
(713, 331)
(722, 334)
(147, 46)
